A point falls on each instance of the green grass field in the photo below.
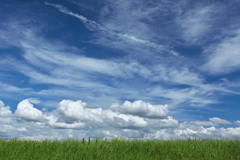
(117, 149)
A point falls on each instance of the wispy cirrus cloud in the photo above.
(47, 63)
(217, 121)
(223, 57)
(10, 88)
(81, 5)
(196, 23)
(94, 26)
(91, 25)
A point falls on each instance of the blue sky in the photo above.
(134, 69)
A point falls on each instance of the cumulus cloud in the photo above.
(4, 110)
(26, 111)
(78, 111)
(63, 125)
(200, 132)
(77, 119)
(80, 115)
(217, 121)
(123, 120)
(141, 109)
(167, 122)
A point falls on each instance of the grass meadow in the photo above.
(118, 149)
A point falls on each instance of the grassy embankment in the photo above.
(120, 150)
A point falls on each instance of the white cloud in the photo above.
(22, 129)
(4, 110)
(94, 26)
(223, 57)
(79, 111)
(116, 13)
(202, 123)
(78, 71)
(168, 122)
(91, 25)
(77, 119)
(74, 71)
(123, 120)
(104, 81)
(81, 5)
(199, 132)
(196, 97)
(143, 32)
(25, 110)
(158, 47)
(59, 65)
(11, 88)
(69, 60)
(217, 121)
(237, 123)
(75, 125)
(141, 109)
(182, 75)
(196, 23)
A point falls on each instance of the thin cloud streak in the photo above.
(94, 26)
(81, 5)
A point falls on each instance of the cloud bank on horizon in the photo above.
(77, 119)
(107, 69)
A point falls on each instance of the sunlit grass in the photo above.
(118, 149)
